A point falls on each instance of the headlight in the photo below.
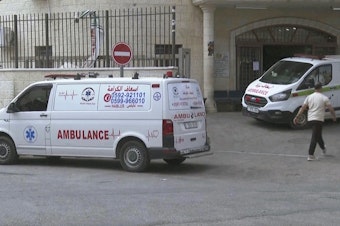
(280, 96)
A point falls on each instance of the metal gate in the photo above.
(184, 62)
(249, 65)
(85, 39)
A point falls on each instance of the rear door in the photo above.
(186, 107)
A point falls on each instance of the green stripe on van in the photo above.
(310, 91)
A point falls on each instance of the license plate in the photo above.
(190, 125)
(253, 109)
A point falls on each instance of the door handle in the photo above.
(43, 115)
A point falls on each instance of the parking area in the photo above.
(258, 175)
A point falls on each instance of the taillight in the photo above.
(168, 127)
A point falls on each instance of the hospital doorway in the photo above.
(274, 53)
(260, 48)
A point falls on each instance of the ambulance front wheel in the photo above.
(301, 120)
(133, 156)
(8, 153)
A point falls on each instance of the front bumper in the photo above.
(274, 116)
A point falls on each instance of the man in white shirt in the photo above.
(316, 103)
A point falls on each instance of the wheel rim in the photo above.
(301, 119)
(132, 157)
(4, 150)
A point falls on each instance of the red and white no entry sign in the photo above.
(121, 53)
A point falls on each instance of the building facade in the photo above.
(231, 42)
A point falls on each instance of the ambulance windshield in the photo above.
(285, 72)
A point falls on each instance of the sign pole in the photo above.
(121, 70)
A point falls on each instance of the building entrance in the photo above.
(274, 53)
(258, 49)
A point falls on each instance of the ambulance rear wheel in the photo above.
(134, 157)
(174, 162)
(8, 153)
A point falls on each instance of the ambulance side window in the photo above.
(322, 74)
(34, 99)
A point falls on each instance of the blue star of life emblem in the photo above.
(157, 96)
(30, 134)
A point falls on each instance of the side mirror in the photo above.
(12, 108)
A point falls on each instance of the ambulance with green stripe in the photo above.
(279, 93)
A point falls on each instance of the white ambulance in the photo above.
(133, 120)
(279, 93)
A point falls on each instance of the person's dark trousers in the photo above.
(316, 136)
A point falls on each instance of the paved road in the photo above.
(258, 175)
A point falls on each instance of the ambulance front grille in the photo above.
(255, 100)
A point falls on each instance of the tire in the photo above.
(8, 152)
(302, 121)
(174, 162)
(134, 157)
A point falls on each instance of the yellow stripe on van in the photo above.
(330, 88)
(310, 91)
(302, 93)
